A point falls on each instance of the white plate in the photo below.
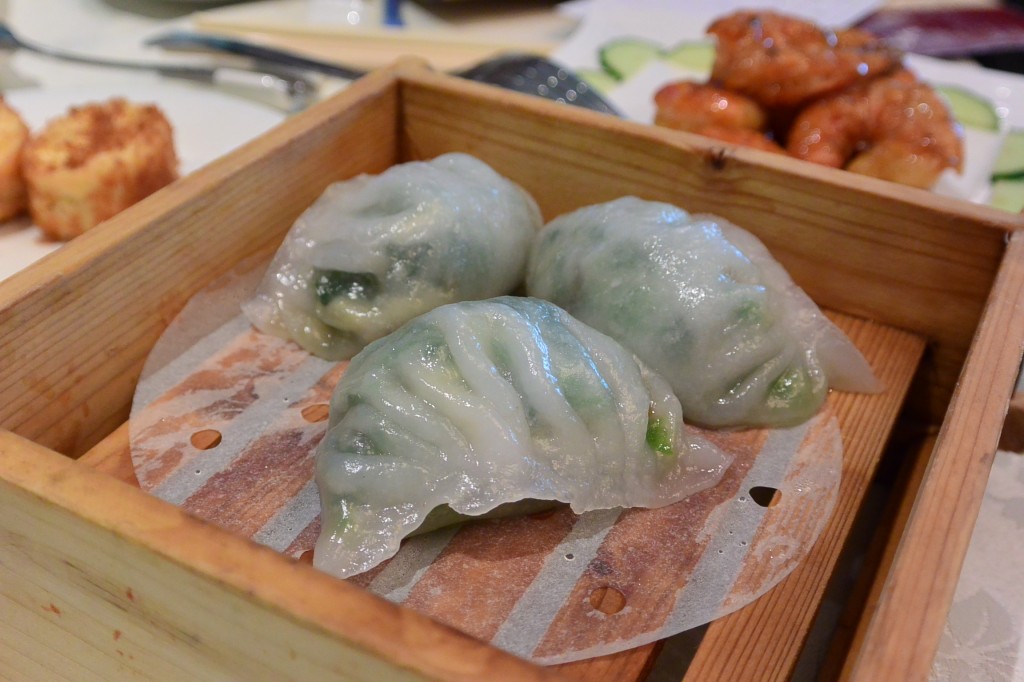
(207, 125)
(635, 97)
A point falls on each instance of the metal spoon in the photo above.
(291, 90)
(530, 74)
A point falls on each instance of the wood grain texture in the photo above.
(857, 245)
(74, 332)
(763, 640)
(120, 585)
(80, 322)
(903, 637)
(862, 603)
(632, 664)
(112, 457)
(449, 35)
(1012, 437)
(731, 651)
(360, 51)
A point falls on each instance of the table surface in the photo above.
(983, 634)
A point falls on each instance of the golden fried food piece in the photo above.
(94, 162)
(895, 128)
(743, 137)
(710, 110)
(782, 61)
(13, 135)
(686, 105)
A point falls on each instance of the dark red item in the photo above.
(950, 32)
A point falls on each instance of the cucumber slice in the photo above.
(601, 81)
(970, 109)
(698, 56)
(623, 58)
(1010, 162)
(1008, 195)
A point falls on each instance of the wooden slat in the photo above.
(625, 666)
(862, 602)
(1012, 437)
(100, 581)
(937, 254)
(902, 639)
(449, 35)
(863, 420)
(112, 457)
(80, 322)
(68, 375)
(369, 52)
(763, 640)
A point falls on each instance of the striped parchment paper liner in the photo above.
(226, 421)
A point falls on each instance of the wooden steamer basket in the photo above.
(99, 580)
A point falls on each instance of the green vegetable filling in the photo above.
(792, 385)
(502, 361)
(407, 260)
(340, 521)
(333, 284)
(581, 395)
(659, 437)
(750, 312)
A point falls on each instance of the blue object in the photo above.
(392, 13)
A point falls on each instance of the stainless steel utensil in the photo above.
(291, 89)
(530, 74)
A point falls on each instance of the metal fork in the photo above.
(290, 89)
(530, 74)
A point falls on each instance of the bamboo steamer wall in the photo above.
(856, 245)
(75, 330)
(89, 314)
(899, 256)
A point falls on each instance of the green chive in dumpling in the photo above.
(704, 304)
(479, 404)
(375, 251)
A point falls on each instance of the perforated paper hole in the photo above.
(552, 587)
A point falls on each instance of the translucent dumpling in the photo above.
(478, 404)
(703, 303)
(375, 251)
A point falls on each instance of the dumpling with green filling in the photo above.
(488, 407)
(703, 303)
(377, 250)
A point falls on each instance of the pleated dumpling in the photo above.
(375, 251)
(478, 404)
(703, 303)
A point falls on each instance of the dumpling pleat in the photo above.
(482, 403)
